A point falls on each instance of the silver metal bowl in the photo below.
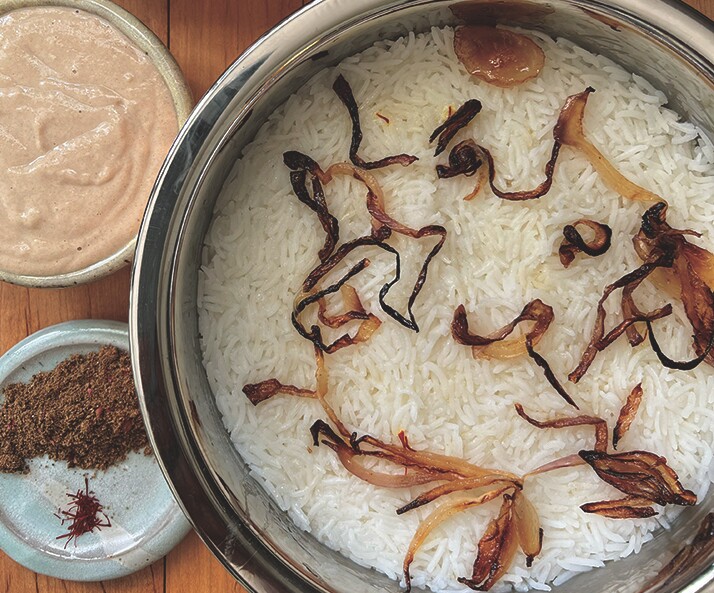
(662, 40)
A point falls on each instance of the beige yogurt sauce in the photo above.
(85, 122)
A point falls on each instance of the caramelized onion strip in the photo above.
(494, 345)
(437, 517)
(599, 424)
(569, 132)
(455, 122)
(496, 549)
(574, 243)
(627, 414)
(629, 507)
(640, 474)
(344, 92)
(450, 487)
(259, 392)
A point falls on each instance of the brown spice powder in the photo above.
(85, 411)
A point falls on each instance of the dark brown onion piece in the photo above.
(317, 203)
(496, 549)
(681, 365)
(629, 507)
(640, 474)
(536, 311)
(376, 209)
(447, 509)
(574, 243)
(297, 161)
(627, 414)
(464, 160)
(631, 279)
(259, 392)
(498, 56)
(549, 374)
(344, 92)
(531, 194)
(455, 122)
(599, 424)
(314, 334)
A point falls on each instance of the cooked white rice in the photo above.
(498, 256)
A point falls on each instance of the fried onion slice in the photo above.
(344, 91)
(640, 474)
(569, 132)
(629, 507)
(584, 420)
(259, 392)
(627, 414)
(455, 122)
(495, 344)
(496, 549)
(530, 534)
(574, 243)
(436, 518)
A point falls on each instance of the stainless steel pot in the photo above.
(662, 40)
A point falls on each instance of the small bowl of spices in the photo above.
(78, 481)
(90, 103)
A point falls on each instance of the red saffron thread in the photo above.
(83, 512)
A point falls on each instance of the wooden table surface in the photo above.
(205, 36)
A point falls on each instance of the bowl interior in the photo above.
(244, 528)
(182, 99)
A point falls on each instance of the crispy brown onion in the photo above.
(599, 424)
(640, 474)
(464, 159)
(549, 374)
(344, 92)
(691, 274)
(495, 345)
(627, 414)
(259, 392)
(598, 340)
(496, 549)
(574, 243)
(629, 507)
(456, 121)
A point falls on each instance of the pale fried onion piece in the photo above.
(437, 517)
(574, 243)
(599, 424)
(569, 132)
(352, 303)
(496, 549)
(448, 488)
(530, 534)
(494, 345)
(348, 457)
(627, 414)
(630, 507)
(640, 474)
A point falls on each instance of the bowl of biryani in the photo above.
(355, 371)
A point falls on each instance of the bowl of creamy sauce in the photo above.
(90, 103)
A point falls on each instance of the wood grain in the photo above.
(205, 37)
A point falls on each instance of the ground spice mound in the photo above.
(85, 411)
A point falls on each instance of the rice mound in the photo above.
(498, 256)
